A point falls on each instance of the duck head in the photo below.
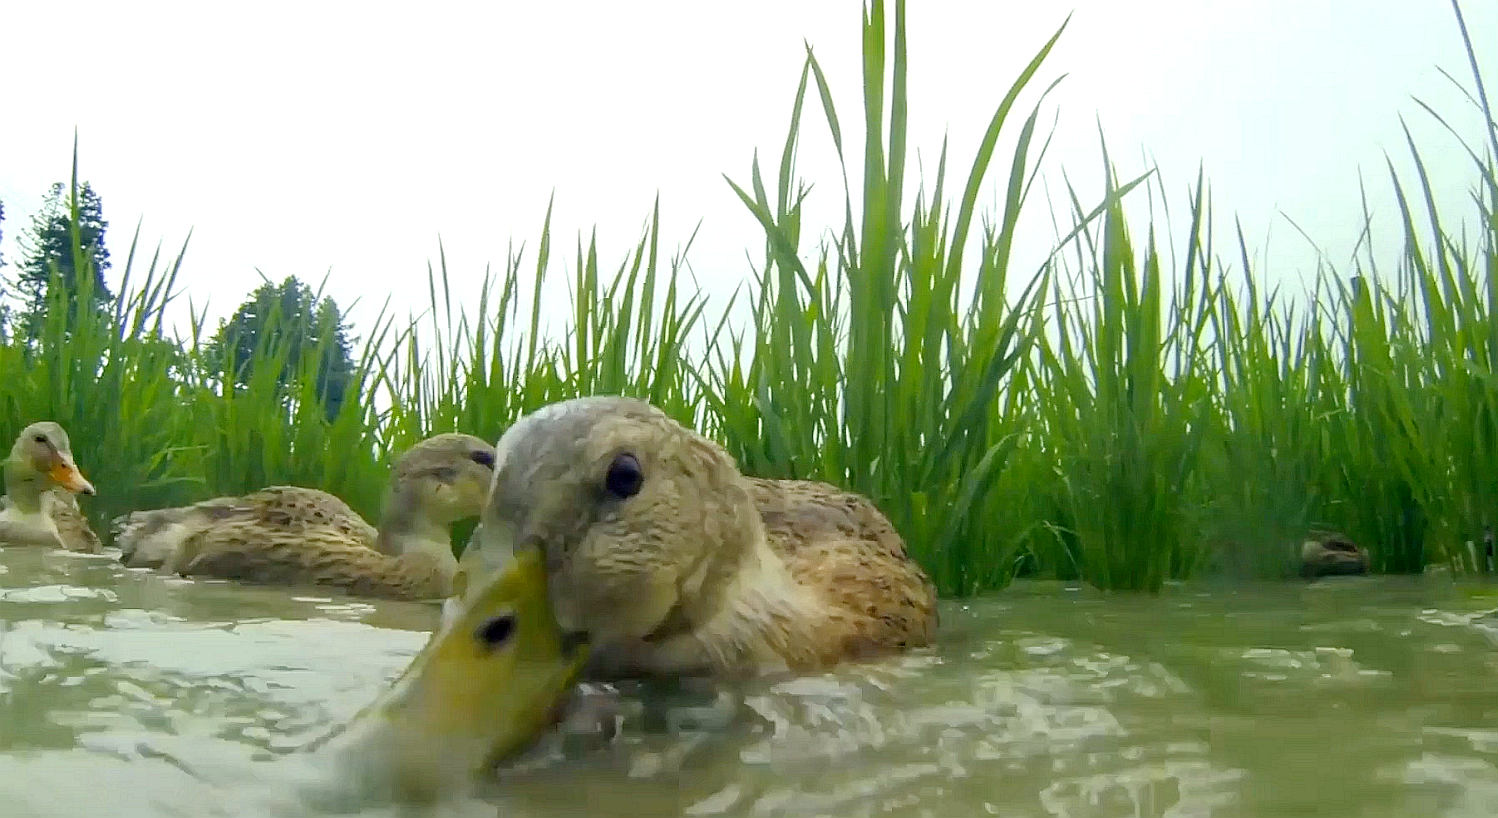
(42, 458)
(641, 523)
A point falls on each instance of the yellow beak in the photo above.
(65, 474)
(487, 683)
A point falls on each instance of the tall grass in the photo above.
(1128, 413)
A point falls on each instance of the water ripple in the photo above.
(171, 697)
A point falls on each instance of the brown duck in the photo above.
(1327, 554)
(675, 563)
(290, 535)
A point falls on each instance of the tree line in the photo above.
(47, 260)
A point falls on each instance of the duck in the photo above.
(153, 538)
(41, 481)
(673, 563)
(293, 535)
(73, 530)
(1325, 554)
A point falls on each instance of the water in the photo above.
(125, 694)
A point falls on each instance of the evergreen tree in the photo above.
(49, 245)
(303, 325)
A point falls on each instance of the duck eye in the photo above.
(40, 438)
(624, 478)
(495, 631)
(483, 458)
(574, 641)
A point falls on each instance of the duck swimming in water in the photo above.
(1329, 554)
(673, 563)
(289, 535)
(40, 480)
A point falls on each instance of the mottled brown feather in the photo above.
(73, 530)
(239, 550)
(699, 569)
(1331, 553)
(292, 535)
(841, 547)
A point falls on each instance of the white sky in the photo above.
(302, 137)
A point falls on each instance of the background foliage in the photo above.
(1128, 414)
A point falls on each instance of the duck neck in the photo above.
(404, 531)
(748, 611)
(22, 487)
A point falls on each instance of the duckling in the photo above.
(675, 563)
(1331, 554)
(40, 481)
(288, 535)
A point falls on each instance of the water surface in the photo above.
(124, 693)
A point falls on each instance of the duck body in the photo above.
(838, 546)
(238, 550)
(1331, 554)
(41, 479)
(291, 535)
(60, 518)
(158, 538)
(675, 563)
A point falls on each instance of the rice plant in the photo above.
(1138, 409)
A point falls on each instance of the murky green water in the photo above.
(124, 693)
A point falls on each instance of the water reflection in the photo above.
(124, 693)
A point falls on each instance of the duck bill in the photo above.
(65, 474)
(466, 701)
(489, 554)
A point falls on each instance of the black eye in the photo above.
(483, 458)
(495, 631)
(573, 641)
(41, 438)
(624, 478)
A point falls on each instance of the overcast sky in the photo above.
(299, 138)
